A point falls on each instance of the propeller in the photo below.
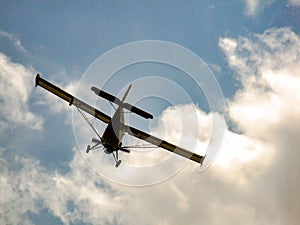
(124, 150)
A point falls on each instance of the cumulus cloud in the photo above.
(189, 197)
(266, 107)
(81, 195)
(15, 90)
(255, 179)
(71, 198)
(269, 73)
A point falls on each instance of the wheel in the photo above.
(118, 163)
(88, 149)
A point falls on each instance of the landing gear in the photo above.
(108, 150)
(116, 157)
(88, 148)
(118, 163)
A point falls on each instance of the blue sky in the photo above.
(252, 48)
(70, 36)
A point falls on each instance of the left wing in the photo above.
(164, 144)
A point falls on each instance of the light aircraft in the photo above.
(111, 139)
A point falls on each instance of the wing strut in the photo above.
(71, 99)
(89, 122)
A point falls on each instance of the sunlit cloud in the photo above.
(15, 89)
(266, 107)
(76, 196)
(255, 175)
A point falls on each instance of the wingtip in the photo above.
(37, 79)
(202, 159)
(95, 90)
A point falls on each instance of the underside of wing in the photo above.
(71, 99)
(164, 144)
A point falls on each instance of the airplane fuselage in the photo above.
(113, 134)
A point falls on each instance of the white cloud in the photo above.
(187, 198)
(76, 196)
(16, 41)
(253, 7)
(294, 2)
(269, 73)
(267, 108)
(15, 89)
(195, 138)
(255, 179)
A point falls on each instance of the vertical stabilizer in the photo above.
(126, 93)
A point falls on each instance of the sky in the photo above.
(250, 49)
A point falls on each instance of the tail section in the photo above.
(126, 93)
(106, 95)
(122, 102)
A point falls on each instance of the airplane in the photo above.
(111, 139)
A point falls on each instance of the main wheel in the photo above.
(88, 148)
(118, 163)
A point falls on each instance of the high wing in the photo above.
(164, 144)
(71, 99)
(106, 119)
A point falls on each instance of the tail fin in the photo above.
(126, 93)
(122, 103)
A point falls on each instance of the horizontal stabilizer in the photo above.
(117, 101)
(106, 95)
(138, 111)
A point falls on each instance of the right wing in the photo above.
(164, 144)
(71, 99)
